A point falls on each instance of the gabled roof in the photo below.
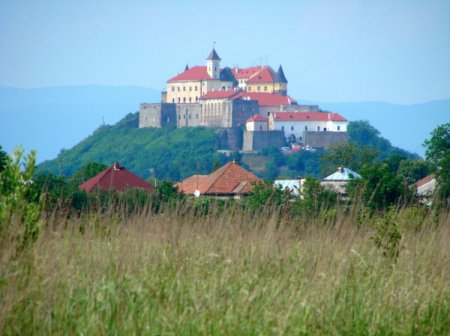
(257, 117)
(245, 72)
(307, 116)
(343, 174)
(280, 77)
(213, 56)
(194, 73)
(264, 75)
(425, 180)
(221, 94)
(231, 179)
(268, 99)
(115, 177)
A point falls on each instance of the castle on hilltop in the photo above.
(231, 98)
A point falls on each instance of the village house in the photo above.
(425, 188)
(115, 177)
(338, 181)
(229, 181)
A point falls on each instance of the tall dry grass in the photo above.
(228, 272)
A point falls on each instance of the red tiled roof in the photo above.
(265, 75)
(220, 94)
(194, 73)
(231, 179)
(307, 116)
(115, 177)
(425, 180)
(268, 99)
(257, 117)
(246, 72)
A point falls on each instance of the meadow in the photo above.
(229, 271)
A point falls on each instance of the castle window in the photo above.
(339, 128)
(306, 128)
(184, 88)
(178, 99)
(292, 128)
(259, 88)
(173, 100)
(196, 98)
(190, 99)
(195, 88)
(184, 99)
(318, 128)
(282, 128)
(265, 88)
(173, 88)
(260, 127)
(324, 129)
(179, 117)
(178, 88)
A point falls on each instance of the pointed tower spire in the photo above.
(213, 56)
(280, 77)
(186, 68)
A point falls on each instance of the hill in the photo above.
(171, 153)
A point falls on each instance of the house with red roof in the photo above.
(322, 128)
(229, 181)
(425, 188)
(257, 123)
(115, 177)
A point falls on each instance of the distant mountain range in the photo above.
(50, 119)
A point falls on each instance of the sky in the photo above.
(331, 51)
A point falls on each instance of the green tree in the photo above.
(19, 199)
(265, 194)
(347, 155)
(3, 159)
(378, 188)
(438, 153)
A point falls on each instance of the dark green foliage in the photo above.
(347, 155)
(171, 153)
(438, 153)
(88, 171)
(3, 158)
(414, 170)
(266, 194)
(378, 188)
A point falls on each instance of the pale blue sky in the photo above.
(393, 51)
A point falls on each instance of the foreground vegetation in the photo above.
(228, 271)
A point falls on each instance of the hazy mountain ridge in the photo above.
(49, 119)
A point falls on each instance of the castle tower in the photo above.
(213, 64)
(280, 83)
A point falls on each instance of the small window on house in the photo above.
(190, 88)
(179, 117)
(292, 128)
(265, 88)
(178, 88)
(306, 128)
(282, 128)
(179, 99)
(259, 88)
(173, 100)
(260, 127)
(339, 128)
(324, 129)
(318, 128)
(184, 88)
(195, 88)
(173, 88)
(184, 99)
(190, 99)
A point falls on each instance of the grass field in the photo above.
(228, 273)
